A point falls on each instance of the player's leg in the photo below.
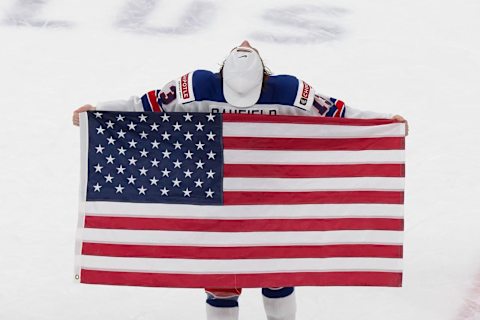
(279, 303)
(222, 304)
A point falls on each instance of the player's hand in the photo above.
(76, 113)
(399, 118)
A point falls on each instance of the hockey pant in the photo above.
(279, 303)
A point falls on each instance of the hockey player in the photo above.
(243, 85)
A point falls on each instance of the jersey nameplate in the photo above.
(305, 96)
(185, 89)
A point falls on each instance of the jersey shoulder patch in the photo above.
(184, 87)
(305, 96)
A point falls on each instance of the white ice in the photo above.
(417, 58)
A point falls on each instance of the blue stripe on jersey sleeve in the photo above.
(331, 111)
(146, 103)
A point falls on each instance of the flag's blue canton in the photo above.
(154, 157)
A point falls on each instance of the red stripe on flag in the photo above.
(260, 252)
(384, 279)
(255, 118)
(243, 225)
(312, 171)
(249, 143)
(153, 101)
(314, 197)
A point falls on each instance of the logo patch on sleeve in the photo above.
(185, 89)
(305, 96)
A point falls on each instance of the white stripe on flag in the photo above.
(224, 239)
(312, 157)
(313, 184)
(124, 209)
(288, 130)
(196, 266)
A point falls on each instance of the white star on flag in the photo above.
(154, 181)
(199, 126)
(166, 154)
(176, 182)
(188, 117)
(121, 134)
(199, 164)
(110, 159)
(141, 190)
(211, 136)
(155, 162)
(131, 180)
(97, 187)
(177, 145)
(144, 153)
(198, 183)
(131, 126)
(119, 188)
(177, 126)
(166, 135)
(143, 171)
(100, 130)
(200, 145)
(164, 191)
(177, 164)
(188, 136)
(121, 150)
(210, 174)
(143, 118)
(154, 127)
(165, 172)
(133, 143)
(111, 140)
(209, 193)
(165, 117)
(211, 155)
(188, 173)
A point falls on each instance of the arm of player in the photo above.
(132, 104)
(330, 107)
(155, 100)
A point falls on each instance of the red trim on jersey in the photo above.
(339, 104)
(152, 97)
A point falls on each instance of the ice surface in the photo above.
(417, 58)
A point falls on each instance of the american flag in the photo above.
(236, 200)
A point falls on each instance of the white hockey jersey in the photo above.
(201, 91)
